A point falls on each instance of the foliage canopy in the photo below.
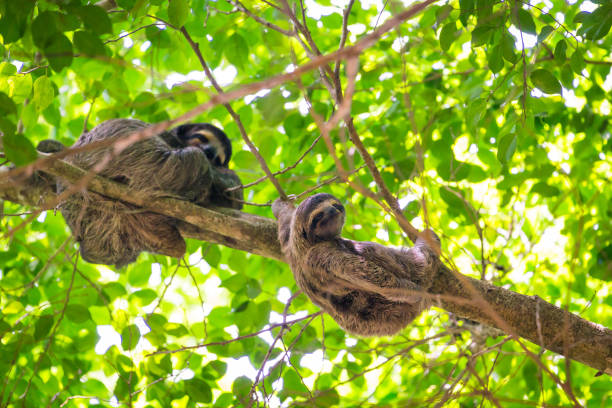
(488, 120)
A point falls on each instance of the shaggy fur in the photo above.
(362, 285)
(168, 164)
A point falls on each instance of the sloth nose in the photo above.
(331, 210)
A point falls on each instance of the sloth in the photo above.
(367, 288)
(188, 162)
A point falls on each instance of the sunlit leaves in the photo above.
(237, 50)
(495, 58)
(577, 61)
(545, 190)
(44, 27)
(178, 12)
(198, 390)
(17, 147)
(507, 46)
(545, 81)
(88, 43)
(43, 327)
(43, 93)
(481, 35)
(522, 19)
(602, 267)
(78, 313)
(95, 19)
(448, 34)
(506, 148)
(130, 336)
(597, 24)
(7, 106)
(58, 51)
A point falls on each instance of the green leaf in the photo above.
(602, 269)
(44, 28)
(159, 37)
(237, 51)
(113, 290)
(18, 148)
(198, 390)
(20, 88)
(43, 326)
(448, 34)
(522, 19)
(496, 61)
(88, 44)
(545, 190)
(212, 254)
(506, 148)
(567, 76)
(577, 62)
(467, 9)
(507, 44)
(138, 275)
(545, 32)
(545, 81)
(130, 336)
(175, 329)
(253, 289)
(78, 313)
(442, 13)
(178, 12)
(475, 112)
(234, 283)
(7, 69)
(95, 19)
(530, 376)
(269, 107)
(59, 52)
(126, 4)
(597, 24)
(333, 20)
(241, 387)
(43, 93)
(292, 384)
(7, 106)
(144, 296)
(481, 35)
(560, 50)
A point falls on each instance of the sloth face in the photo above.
(212, 140)
(322, 217)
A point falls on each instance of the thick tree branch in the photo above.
(526, 316)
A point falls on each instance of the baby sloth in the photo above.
(187, 162)
(367, 288)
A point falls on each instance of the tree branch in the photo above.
(526, 316)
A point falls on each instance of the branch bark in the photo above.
(518, 315)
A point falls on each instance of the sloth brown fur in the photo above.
(188, 162)
(367, 288)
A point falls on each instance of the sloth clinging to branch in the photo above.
(369, 289)
(187, 162)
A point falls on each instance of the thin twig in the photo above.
(242, 7)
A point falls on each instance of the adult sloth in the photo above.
(368, 288)
(188, 162)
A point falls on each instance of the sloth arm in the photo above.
(151, 165)
(283, 211)
(336, 267)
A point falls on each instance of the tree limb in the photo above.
(529, 317)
